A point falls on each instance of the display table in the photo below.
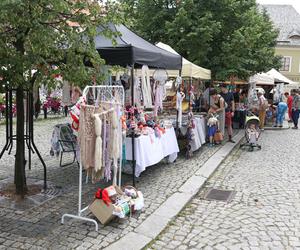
(199, 131)
(149, 149)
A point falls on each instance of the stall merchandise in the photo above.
(100, 123)
(128, 49)
(113, 202)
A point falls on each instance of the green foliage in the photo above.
(44, 37)
(231, 37)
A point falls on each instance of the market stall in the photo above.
(189, 73)
(131, 51)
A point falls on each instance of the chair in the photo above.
(67, 142)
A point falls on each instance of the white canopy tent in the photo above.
(262, 79)
(279, 78)
(189, 69)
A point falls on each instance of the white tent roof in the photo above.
(279, 77)
(189, 69)
(262, 79)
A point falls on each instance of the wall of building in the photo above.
(294, 53)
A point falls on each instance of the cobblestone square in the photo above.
(40, 227)
(264, 213)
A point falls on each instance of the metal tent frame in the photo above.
(28, 135)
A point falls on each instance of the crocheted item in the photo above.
(98, 144)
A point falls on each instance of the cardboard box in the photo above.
(103, 212)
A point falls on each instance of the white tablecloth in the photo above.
(150, 151)
(200, 133)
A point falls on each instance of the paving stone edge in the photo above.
(148, 230)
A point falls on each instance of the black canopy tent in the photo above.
(129, 49)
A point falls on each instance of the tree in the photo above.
(40, 38)
(231, 37)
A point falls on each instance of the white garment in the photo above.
(98, 143)
(146, 87)
(137, 92)
(179, 98)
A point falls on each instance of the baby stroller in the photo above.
(252, 132)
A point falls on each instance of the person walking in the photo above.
(262, 108)
(229, 110)
(295, 107)
(289, 101)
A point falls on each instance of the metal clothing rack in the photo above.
(101, 93)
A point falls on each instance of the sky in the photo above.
(295, 3)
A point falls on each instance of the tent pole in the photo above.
(132, 134)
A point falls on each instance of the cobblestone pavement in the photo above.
(40, 228)
(264, 214)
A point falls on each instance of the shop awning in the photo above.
(128, 49)
(189, 69)
(262, 79)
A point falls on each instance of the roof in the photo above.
(287, 20)
(128, 48)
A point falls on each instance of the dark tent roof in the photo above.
(131, 49)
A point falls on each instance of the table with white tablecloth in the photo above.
(199, 132)
(149, 149)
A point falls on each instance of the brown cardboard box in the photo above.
(103, 212)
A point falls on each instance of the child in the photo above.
(212, 124)
(252, 134)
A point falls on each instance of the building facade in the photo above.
(287, 20)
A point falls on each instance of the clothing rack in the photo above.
(102, 93)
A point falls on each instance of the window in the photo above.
(286, 63)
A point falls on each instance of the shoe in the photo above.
(290, 121)
(280, 126)
(294, 127)
(262, 129)
(275, 126)
(232, 141)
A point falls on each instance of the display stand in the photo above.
(113, 94)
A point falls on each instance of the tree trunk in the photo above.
(20, 178)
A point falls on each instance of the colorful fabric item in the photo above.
(102, 194)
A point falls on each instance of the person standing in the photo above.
(280, 113)
(229, 110)
(295, 107)
(218, 106)
(262, 109)
(289, 101)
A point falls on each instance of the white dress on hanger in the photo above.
(146, 87)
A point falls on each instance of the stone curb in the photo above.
(157, 222)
